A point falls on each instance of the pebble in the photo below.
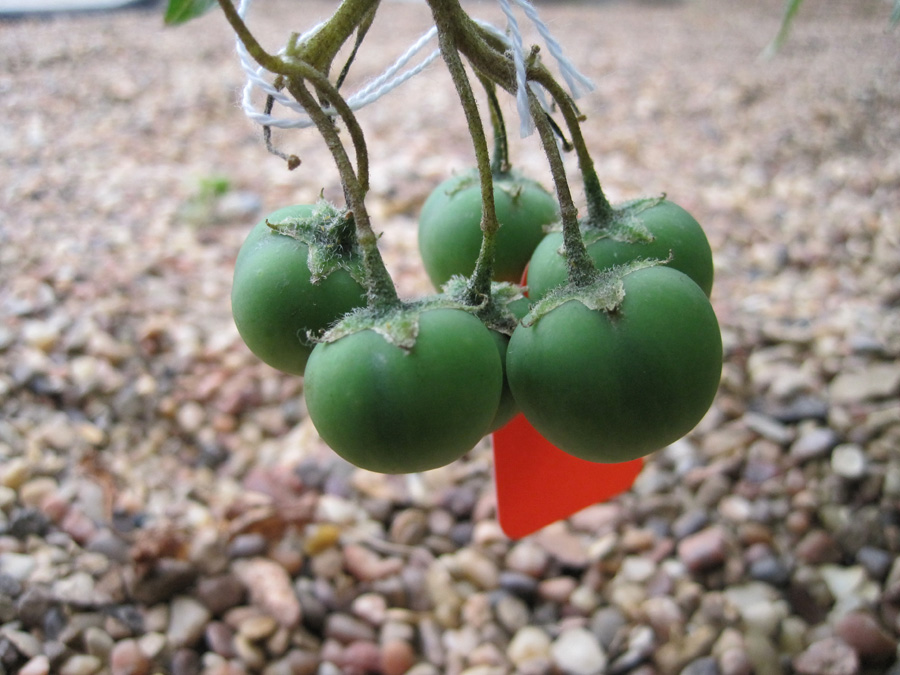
(81, 664)
(188, 619)
(830, 655)
(873, 382)
(849, 461)
(703, 550)
(872, 643)
(813, 444)
(366, 565)
(397, 657)
(346, 628)
(38, 665)
(577, 652)
(270, 587)
(528, 645)
(127, 658)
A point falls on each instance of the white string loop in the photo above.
(390, 79)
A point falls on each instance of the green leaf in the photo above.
(181, 11)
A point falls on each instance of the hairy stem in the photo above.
(380, 289)
(322, 46)
(579, 266)
(297, 70)
(598, 207)
(500, 161)
(479, 286)
(488, 54)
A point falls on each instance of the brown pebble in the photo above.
(704, 550)
(361, 658)
(219, 638)
(127, 658)
(871, 642)
(397, 656)
(220, 593)
(817, 547)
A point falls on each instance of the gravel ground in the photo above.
(165, 504)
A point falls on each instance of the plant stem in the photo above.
(488, 55)
(296, 70)
(600, 211)
(479, 286)
(322, 46)
(579, 267)
(380, 289)
(500, 161)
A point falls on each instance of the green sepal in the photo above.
(398, 324)
(605, 294)
(330, 235)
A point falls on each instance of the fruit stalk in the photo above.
(479, 286)
(580, 269)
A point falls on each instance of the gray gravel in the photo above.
(166, 506)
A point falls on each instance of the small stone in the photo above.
(397, 657)
(220, 593)
(33, 606)
(478, 568)
(577, 652)
(704, 550)
(849, 461)
(187, 662)
(219, 637)
(366, 565)
(98, 642)
(259, 627)
(813, 444)
(346, 628)
(557, 589)
(370, 607)
(561, 544)
(320, 537)
(528, 558)
(529, 644)
(769, 428)
(770, 570)
(81, 664)
(830, 656)
(606, 624)
(38, 665)
(735, 661)
(409, 527)
(249, 652)
(188, 619)
(872, 643)
(817, 547)
(874, 382)
(706, 665)
(126, 658)
(269, 586)
(361, 657)
(511, 612)
(152, 644)
(25, 643)
(876, 561)
(18, 566)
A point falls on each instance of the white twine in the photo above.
(258, 77)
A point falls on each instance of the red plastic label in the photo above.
(538, 484)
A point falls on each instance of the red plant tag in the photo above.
(538, 484)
